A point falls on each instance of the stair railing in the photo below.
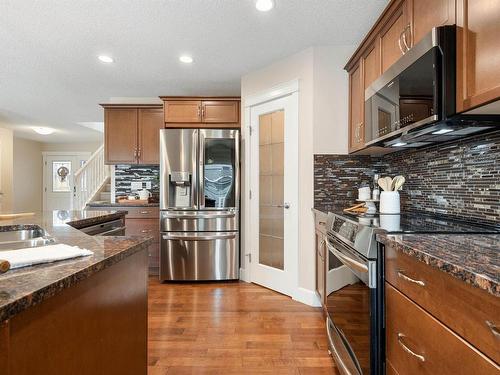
(90, 179)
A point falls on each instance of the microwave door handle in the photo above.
(347, 260)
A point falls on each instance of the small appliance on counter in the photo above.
(351, 240)
(199, 204)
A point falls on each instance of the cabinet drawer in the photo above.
(143, 227)
(417, 343)
(467, 310)
(142, 212)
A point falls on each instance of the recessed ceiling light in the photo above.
(43, 131)
(105, 59)
(186, 59)
(264, 5)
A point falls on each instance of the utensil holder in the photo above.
(389, 202)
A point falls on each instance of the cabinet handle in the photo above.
(135, 153)
(144, 212)
(203, 111)
(494, 329)
(145, 230)
(404, 277)
(404, 37)
(399, 43)
(420, 357)
(198, 112)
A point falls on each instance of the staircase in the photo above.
(91, 181)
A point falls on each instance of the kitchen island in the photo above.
(80, 316)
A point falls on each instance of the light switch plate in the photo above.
(136, 186)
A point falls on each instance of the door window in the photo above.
(271, 167)
(61, 174)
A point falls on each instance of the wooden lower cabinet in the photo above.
(147, 227)
(98, 326)
(417, 343)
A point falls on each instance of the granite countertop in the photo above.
(24, 287)
(109, 204)
(472, 258)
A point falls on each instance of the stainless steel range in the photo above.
(355, 324)
(199, 204)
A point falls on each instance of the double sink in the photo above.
(13, 237)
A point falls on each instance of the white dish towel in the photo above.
(44, 254)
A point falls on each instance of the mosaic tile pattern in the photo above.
(459, 179)
(125, 174)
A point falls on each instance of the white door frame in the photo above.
(44, 168)
(290, 91)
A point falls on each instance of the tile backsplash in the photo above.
(126, 174)
(459, 179)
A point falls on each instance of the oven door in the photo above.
(349, 322)
(199, 256)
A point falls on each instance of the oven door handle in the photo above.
(182, 237)
(336, 356)
(347, 260)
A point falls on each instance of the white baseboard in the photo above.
(244, 276)
(306, 296)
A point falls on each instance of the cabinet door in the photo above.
(426, 14)
(150, 123)
(220, 111)
(478, 52)
(391, 44)
(371, 66)
(182, 111)
(356, 99)
(120, 132)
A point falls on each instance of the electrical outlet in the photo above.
(148, 184)
(136, 186)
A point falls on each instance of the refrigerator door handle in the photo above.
(194, 166)
(198, 215)
(199, 237)
(201, 148)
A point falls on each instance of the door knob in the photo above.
(286, 205)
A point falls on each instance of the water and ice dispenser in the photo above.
(180, 184)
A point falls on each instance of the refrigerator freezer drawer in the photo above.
(199, 221)
(199, 256)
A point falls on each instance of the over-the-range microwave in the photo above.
(413, 103)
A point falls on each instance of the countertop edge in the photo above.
(82, 223)
(15, 307)
(456, 271)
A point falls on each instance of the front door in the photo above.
(274, 181)
(58, 176)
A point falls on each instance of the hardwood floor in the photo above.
(233, 328)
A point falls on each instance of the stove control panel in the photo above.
(345, 229)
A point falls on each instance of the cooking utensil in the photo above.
(385, 183)
(356, 208)
(398, 183)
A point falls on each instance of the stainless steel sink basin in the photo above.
(14, 237)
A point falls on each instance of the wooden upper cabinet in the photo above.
(478, 51)
(391, 37)
(120, 135)
(150, 123)
(356, 104)
(215, 111)
(426, 14)
(182, 111)
(201, 112)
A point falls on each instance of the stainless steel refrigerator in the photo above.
(199, 204)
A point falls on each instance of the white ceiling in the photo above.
(50, 76)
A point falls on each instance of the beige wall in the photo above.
(27, 175)
(74, 147)
(6, 164)
(322, 127)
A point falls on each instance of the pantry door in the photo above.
(274, 194)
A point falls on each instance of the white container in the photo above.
(391, 223)
(364, 193)
(389, 202)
